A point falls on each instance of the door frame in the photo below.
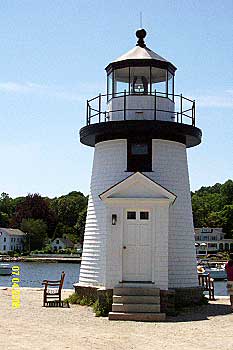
(137, 209)
(159, 209)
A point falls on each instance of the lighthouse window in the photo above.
(109, 86)
(121, 81)
(170, 86)
(139, 80)
(159, 81)
(139, 156)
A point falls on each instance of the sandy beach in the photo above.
(34, 327)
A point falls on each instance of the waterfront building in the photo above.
(212, 240)
(11, 239)
(139, 225)
(61, 243)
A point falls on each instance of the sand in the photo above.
(34, 327)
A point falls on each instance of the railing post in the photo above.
(181, 108)
(194, 113)
(99, 108)
(89, 113)
(155, 106)
(87, 116)
(124, 104)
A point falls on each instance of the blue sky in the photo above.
(53, 55)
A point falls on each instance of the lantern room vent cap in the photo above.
(140, 51)
(141, 34)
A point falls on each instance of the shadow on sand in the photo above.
(200, 313)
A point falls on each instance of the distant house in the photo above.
(78, 247)
(211, 240)
(11, 239)
(61, 243)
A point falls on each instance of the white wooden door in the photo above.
(137, 246)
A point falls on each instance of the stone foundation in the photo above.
(167, 302)
(188, 296)
(173, 299)
(170, 300)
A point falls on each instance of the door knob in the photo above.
(124, 247)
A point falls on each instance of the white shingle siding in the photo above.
(175, 265)
(171, 171)
(109, 167)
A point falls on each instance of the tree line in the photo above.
(44, 218)
(213, 207)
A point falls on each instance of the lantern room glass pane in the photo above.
(121, 81)
(139, 80)
(109, 86)
(159, 81)
(170, 86)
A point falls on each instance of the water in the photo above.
(33, 273)
(220, 288)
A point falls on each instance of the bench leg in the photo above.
(44, 299)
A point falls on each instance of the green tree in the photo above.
(37, 232)
(6, 204)
(227, 220)
(227, 192)
(69, 207)
(65, 231)
(212, 206)
(80, 225)
(214, 219)
(4, 219)
(33, 206)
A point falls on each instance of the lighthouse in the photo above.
(139, 227)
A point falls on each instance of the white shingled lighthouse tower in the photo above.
(139, 227)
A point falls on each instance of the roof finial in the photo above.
(141, 34)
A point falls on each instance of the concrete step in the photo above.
(134, 285)
(136, 291)
(135, 307)
(127, 316)
(136, 299)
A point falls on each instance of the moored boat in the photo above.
(5, 269)
(216, 270)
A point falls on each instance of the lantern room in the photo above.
(140, 94)
(141, 77)
(140, 71)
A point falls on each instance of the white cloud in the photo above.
(33, 88)
(14, 87)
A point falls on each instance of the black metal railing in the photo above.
(184, 114)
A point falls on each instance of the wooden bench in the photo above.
(53, 293)
(207, 283)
